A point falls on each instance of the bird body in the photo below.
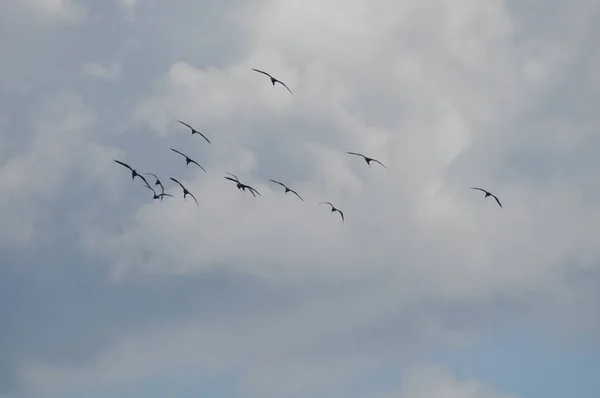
(367, 159)
(273, 80)
(185, 191)
(487, 193)
(287, 189)
(194, 131)
(241, 186)
(334, 209)
(188, 160)
(134, 173)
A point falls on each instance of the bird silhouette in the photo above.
(134, 173)
(188, 160)
(158, 196)
(194, 131)
(242, 186)
(273, 80)
(333, 209)
(185, 191)
(367, 159)
(158, 182)
(287, 189)
(488, 194)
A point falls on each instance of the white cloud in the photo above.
(106, 72)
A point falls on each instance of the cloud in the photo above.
(94, 69)
(276, 293)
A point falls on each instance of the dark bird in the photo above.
(287, 189)
(242, 186)
(333, 209)
(273, 80)
(194, 131)
(157, 196)
(134, 173)
(188, 160)
(158, 182)
(488, 194)
(367, 159)
(185, 191)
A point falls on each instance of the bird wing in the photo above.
(143, 179)
(166, 194)
(253, 190)
(341, 214)
(260, 71)
(329, 203)
(153, 175)
(178, 183)
(185, 124)
(277, 182)
(181, 153)
(499, 204)
(234, 176)
(123, 164)
(479, 189)
(150, 188)
(375, 160)
(231, 179)
(203, 136)
(192, 195)
(283, 84)
(296, 193)
(357, 154)
(197, 164)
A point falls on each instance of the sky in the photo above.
(427, 290)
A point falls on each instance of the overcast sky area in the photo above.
(427, 290)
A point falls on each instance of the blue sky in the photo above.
(427, 290)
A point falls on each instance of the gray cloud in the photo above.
(104, 286)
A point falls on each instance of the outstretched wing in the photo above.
(166, 194)
(197, 164)
(193, 197)
(479, 189)
(283, 84)
(150, 188)
(357, 154)
(277, 182)
(341, 214)
(375, 160)
(185, 124)
(329, 203)
(231, 179)
(143, 179)
(153, 175)
(296, 193)
(234, 176)
(123, 164)
(252, 190)
(181, 153)
(499, 204)
(203, 136)
(178, 183)
(260, 71)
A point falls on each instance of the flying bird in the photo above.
(333, 209)
(158, 182)
(188, 160)
(134, 173)
(242, 186)
(185, 191)
(367, 159)
(488, 194)
(194, 131)
(158, 196)
(273, 80)
(287, 189)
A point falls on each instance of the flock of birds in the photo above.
(231, 177)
